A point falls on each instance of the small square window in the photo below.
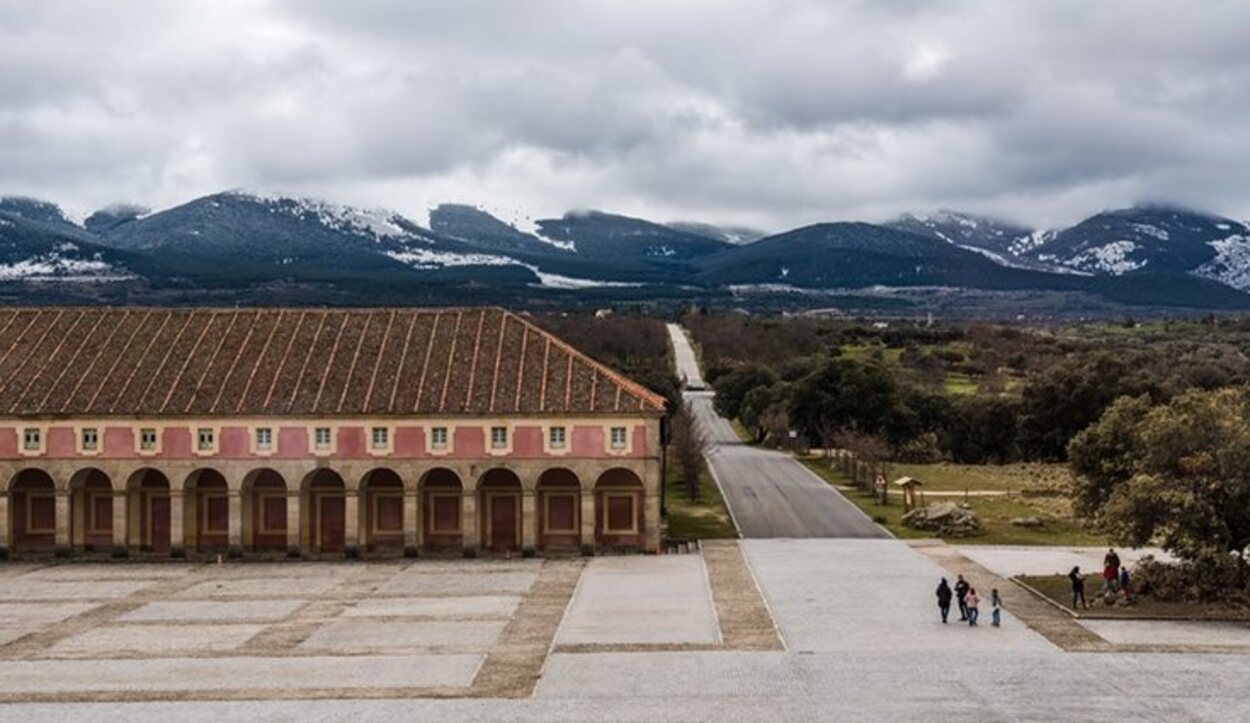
(438, 437)
(90, 440)
(556, 437)
(31, 439)
(381, 437)
(264, 438)
(147, 440)
(321, 438)
(204, 440)
(618, 438)
(498, 437)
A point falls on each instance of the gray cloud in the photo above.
(770, 114)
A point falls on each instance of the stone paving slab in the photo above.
(414, 582)
(501, 606)
(261, 587)
(853, 595)
(112, 571)
(9, 633)
(355, 636)
(210, 611)
(235, 673)
(71, 591)
(641, 600)
(1012, 560)
(157, 639)
(37, 614)
(1169, 632)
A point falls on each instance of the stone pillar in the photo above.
(62, 523)
(79, 517)
(529, 523)
(4, 525)
(120, 546)
(293, 523)
(351, 525)
(177, 524)
(651, 520)
(468, 522)
(234, 534)
(412, 524)
(588, 522)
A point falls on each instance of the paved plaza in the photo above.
(759, 630)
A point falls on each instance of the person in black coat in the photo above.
(944, 599)
(1078, 587)
(961, 592)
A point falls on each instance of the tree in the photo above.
(1177, 472)
(756, 405)
(688, 446)
(843, 394)
(733, 386)
(982, 429)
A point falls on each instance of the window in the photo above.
(438, 437)
(31, 440)
(556, 437)
(321, 438)
(498, 437)
(381, 437)
(90, 440)
(147, 440)
(618, 438)
(204, 440)
(264, 438)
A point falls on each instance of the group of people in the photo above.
(1115, 578)
(969, 602)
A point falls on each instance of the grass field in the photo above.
(942, 477)
(707, 519)
(1058, 589)
(996, 514)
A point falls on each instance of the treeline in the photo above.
(973, 394)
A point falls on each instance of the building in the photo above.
(165, 431)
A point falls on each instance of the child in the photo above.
(996, 608)
(972, 602)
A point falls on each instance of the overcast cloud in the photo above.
(770, 114)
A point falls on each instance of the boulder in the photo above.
(945, 518)
(1031, 522)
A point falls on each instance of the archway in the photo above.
(265, 511)
(148, 510)
(207, 510)
(618, 509)
(441, 492)
(32, 510)
(499, 508)
(559, 510)
(326, 495)
(382, 509)
(91, 510)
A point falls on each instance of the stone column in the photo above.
(4, 525)
(293, 523)
(351, 525)
(62, 523)
(234, 534)
(177, 524)
(651, 520)
(79, 518)
(529, 523)
(412, 524)
(120, 546)
(468, 522)
(588, 522)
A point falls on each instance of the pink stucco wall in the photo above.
(176, 442)
(351, 442)
(119, 442)
(640, 441)
(8, 442)
(292, 442)
(60, 442)
(587, 442)
(527, 442)
(410, 442)
(469, 442)
(233, 442)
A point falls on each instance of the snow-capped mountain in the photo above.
(1008, 243)
(38, 243)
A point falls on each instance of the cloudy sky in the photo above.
(770, 114)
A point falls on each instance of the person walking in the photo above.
(1124, 582)
(1110, 571)
(944, 599)
(996, 608)
(1078, 587)
(961, 593)
(972, 601)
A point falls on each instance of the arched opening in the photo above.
(147, 514)
(382, 509)
(441, 491)
(91, 510)
(499, 507)
(326, 497)
(32, 510)
(265, 511)
(206, 510)
(559, 510)
(618, 509)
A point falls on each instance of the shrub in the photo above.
(1210, 578)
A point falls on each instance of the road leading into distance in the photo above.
(769, 493)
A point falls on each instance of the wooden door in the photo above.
(503, 522)
(332, 517)
(158, 522)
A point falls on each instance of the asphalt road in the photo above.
(769, 494)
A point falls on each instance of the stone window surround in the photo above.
(41, 436)
(214, 436)
(80, 437)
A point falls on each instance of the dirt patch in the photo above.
(745, 621)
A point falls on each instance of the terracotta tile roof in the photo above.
(72, 361)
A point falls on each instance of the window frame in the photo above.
(144, 447)
(94, 447)
(266, 448)
(624, 444)
(501, 445)
(607, 512)
(40, 439)
(576, 496)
